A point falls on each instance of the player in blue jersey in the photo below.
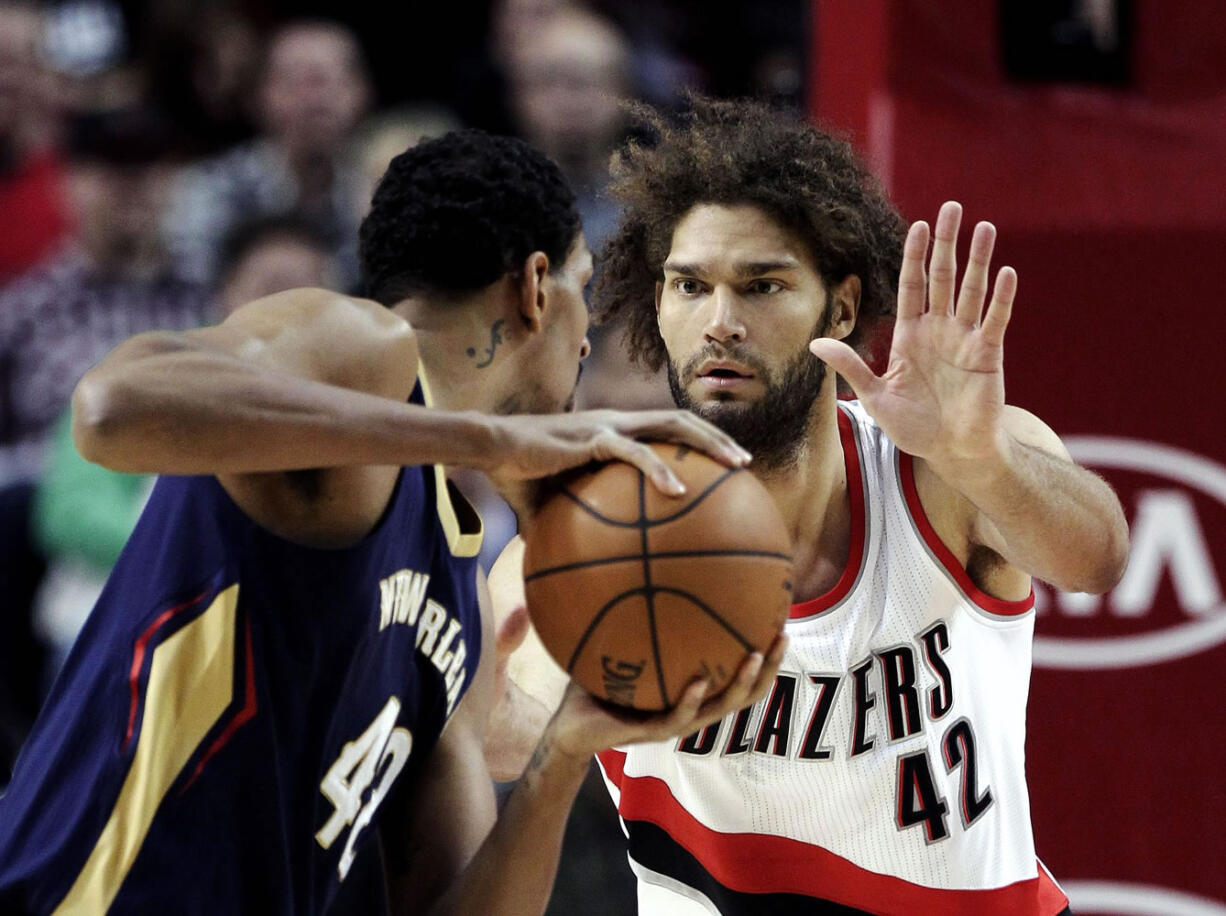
(279, 702)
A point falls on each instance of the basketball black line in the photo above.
(659, 521)
(664, 555)
(599, 616)
(714, 615)
(650, 590)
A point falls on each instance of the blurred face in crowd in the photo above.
(314, 88)
(566, 85)
(19, 63)
(117, 210)
(274, 264)
(515, 22)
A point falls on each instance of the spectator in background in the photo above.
(313, 91)
(31, 172)
(568, 86)
(387, 134)
(83, 513)
(109, 281)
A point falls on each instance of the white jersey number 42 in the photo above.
(383, 750)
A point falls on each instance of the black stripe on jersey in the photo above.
(653, 848)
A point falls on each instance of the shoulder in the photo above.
(332, 338)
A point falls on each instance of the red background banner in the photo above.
(1111, 204)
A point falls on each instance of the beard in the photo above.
(773, 428)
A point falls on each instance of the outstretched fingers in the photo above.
(996, 319)
(912, 279)
(943, 266)
(975, 281)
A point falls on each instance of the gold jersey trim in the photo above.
(191, 681)
(461, 543)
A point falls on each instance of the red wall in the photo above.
(1112, 206)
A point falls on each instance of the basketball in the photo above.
(636, 594)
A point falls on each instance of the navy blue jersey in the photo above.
(237, 708)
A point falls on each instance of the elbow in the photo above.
(96, 411)
(1106, 567)
(106, 404)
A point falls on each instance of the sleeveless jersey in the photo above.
(884, 772)
(238, 706)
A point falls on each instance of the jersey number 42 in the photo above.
(380, 751)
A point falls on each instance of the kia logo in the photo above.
(1100, 898)
(1169, 550)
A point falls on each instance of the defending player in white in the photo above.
(885, 772)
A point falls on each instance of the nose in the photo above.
(724, 323)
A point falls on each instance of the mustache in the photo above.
(715, 351)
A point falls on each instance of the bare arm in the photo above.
(1041, 512)
(304, 379)
(312, 379)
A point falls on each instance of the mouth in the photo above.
(724, 376)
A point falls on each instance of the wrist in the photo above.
(966, 470)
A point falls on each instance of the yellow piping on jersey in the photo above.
(460, 543)
(191, 682)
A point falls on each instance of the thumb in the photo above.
(846, 362)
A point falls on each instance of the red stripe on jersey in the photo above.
(614, 765)
(138, 660)
(250, 707)
(855, 496)
(906, 474)
(762, 864)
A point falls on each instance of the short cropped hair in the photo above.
(734, 153)
(453, 215)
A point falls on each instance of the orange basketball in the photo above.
(636, 593)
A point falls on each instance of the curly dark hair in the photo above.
(452, 215)
(743, 152)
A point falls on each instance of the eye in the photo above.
(765, 287)
(687, 286)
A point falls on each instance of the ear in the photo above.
(530, 300)
(844, 306)
(659, 293)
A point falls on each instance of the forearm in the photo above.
(516, 725)
(173, 408)
(1047, 516)
(513, 872)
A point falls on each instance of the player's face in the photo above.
(738, 304)
(555, 366)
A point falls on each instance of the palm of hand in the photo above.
(943, 388)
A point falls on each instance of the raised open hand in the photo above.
(942, 395)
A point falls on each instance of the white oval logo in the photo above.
(1113, 898)
(1207, 628)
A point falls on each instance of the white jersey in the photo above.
(885, 771)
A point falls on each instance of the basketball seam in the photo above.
(650, 523)
(665, 555)
(650, 593)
